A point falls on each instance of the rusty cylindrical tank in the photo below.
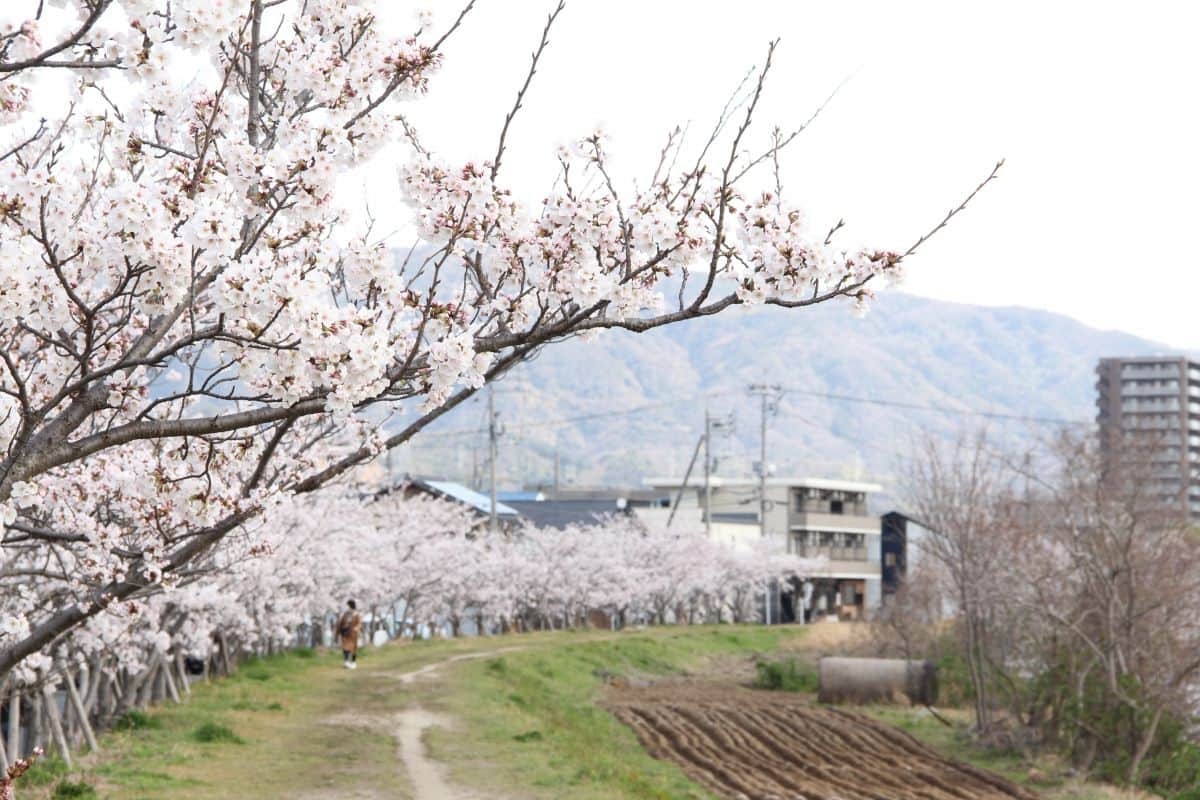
(876, 680)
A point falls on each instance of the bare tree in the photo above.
(1075, 578)
(1121, 586)
(964, 493)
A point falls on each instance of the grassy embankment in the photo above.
(531, 719)
(297, 726)
(526, 724)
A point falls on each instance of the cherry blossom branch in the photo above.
(533, 64)
(954, 211)
(43, 59)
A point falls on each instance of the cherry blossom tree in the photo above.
(192, 327)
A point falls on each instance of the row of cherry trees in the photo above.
(430, 567)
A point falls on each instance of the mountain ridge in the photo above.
(907, 352)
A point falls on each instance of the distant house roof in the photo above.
(561, 513)
(900, 515)
(697, 481)
(632, 496)
(456, 491)
(520, 496)
(738, 517)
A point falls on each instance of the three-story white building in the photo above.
(811, 517)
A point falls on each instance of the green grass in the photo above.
(210, 732)
(284, 711)
(73, 790)
(529, 723)
(525, 723)
(307, 727)
(46, 770)
(136, 720)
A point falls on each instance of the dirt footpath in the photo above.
(773, 746)
(426, 776)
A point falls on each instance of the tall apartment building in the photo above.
(1156, 396)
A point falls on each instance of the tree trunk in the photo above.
(1143, 747)
(81, 712)
(50, 703)
(4, 762)
(14, 724)
(36, 731)
(168, 680)
(181, 670)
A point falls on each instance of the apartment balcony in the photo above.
(1171, 389)
(1135, 423)
(813, 520)
(847, 569)
(1146, 371)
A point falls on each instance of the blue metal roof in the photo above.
(472, 498)
(520, 496)
(561, 513)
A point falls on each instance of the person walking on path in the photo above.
(348, 627)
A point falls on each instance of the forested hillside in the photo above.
(619, 407)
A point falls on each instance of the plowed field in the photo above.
(758, 745)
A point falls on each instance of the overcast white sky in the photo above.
(1094, 105)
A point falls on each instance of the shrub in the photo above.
(954, 682)
(785, 676)
(136, 720)
(70, 790)
(212, 732)
(1174, 771)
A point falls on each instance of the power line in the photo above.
(940, 409)
(561, 421)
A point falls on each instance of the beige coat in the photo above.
(350, 622)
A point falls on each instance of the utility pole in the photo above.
(769, 395)
(493, 521)
(711, 424)
(683, 486)
(708, 424)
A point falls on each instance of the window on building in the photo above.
(834, 545)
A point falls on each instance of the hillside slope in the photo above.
(645, 395)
